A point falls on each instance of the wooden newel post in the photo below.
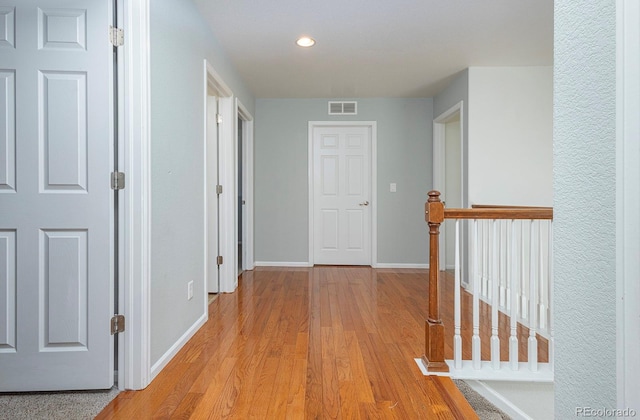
(434, 329)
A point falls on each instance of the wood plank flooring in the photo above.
(312, 343)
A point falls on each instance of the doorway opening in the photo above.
(218, 132)
(244, 190)
(240, 199)
(452, 181)
(448, 177)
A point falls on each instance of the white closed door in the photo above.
(342, 195)
(56, 203)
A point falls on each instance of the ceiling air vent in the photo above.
(343, 108)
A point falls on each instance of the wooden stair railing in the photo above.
(435, 214)
(434, 329)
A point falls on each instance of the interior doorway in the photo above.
(448, 178)
(452, 190)
(244, 190)
(212, 147)
(241, 202)
(219, 129)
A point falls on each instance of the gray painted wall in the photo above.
(584, 205)
(281, 175)
(180, 41)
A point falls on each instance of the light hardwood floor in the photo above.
(316, 343)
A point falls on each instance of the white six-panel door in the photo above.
(342, 195)
(56, 204)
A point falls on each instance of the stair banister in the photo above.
(434, 328)
(433, 360)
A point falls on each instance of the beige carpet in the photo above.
(83, 405)
(484, 409)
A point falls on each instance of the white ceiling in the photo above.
(375, 48)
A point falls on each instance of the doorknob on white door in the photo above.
(365, 203)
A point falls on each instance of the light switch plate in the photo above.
(392, 187)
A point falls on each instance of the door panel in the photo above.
(355, 172)
(56, 229)
(7, 21)
(63, 290)
(329, 229)
(342, 191)
(355, 230)
(330, 176)
(62, 102)
(8, 134)
(8, 282)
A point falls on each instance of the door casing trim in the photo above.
(134, 370)
(627, 204)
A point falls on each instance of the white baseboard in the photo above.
(400, 265)
(281, 264)
(173, 350)
(307, 264)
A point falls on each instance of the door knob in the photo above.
(365, 203)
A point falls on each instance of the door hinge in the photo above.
(117, 180)
(218, 189)
(116, 36)
(219, 260)
(219, 118)
(117, 324)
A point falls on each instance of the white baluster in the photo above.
(485, 258)
(513, 284)
(523, 270)
(533, 342)
(503, 265)
(475, 340)
(495, 340)
(457, 338)
(541, 282)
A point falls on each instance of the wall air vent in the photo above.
(343, 108)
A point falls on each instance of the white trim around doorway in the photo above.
(134, 370)
(372, 125)
(628, 204)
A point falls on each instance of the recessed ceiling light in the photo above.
(305, 41)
